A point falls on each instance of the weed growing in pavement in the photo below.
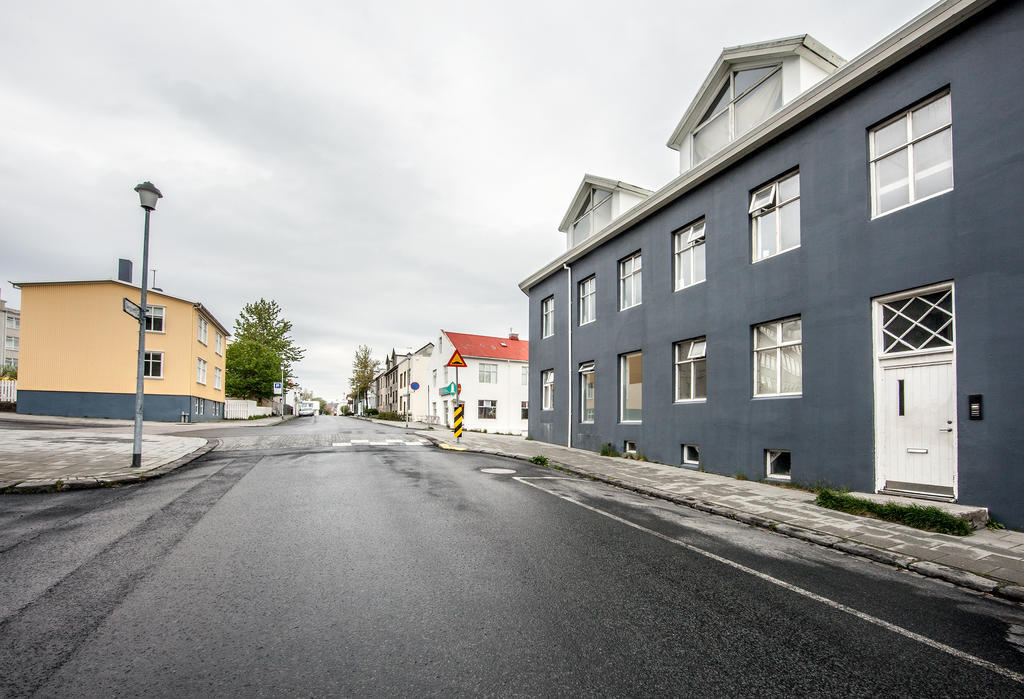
(539, 460)
(928, 518)
(741, 477)
(608, 449)
(994, 525)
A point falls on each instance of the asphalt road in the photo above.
(407, 570)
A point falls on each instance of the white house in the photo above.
(495, 382)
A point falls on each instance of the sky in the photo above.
(381, 170)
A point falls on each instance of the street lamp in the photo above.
(148, 194)
(408, 380)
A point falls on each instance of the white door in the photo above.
(915, 394)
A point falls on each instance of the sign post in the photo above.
(457, 361)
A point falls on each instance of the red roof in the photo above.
(490, 347)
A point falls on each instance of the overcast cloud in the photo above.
(382, 170)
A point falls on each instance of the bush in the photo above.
(539, 460)
(372, 412)
(396, 417)
(608, 449)
(928, 518)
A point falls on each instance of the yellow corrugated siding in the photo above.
(76, 337)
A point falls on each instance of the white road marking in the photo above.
(973, 659)
(388, 443)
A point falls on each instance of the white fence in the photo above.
(243, 409)
(8, 391)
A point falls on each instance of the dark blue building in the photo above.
(830, 292)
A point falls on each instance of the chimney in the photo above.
(124, 270)
(513, 336)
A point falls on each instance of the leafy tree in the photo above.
(9, 372)
(261, 322)
(252, 369)
(364, 369)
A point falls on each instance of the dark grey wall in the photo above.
(113, 405)
(971, 236)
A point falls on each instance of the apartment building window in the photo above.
(155, 318)
(778, 351)
(218, 376)
(547, 317)
(487, 409)
(526, 375)
(912, 156)
(11, 342)
(691, 369)
(631, 384)
(688, 245)
(630, 281)
(200, 370)
(488, 373)
(588, 300)
(587, 392)
(775, 217)
(524, 411)
(13, 322)
(11, 362)
(746, 99)
(204, 330)
(777, 463)
(153, 365)
(547, 389)
(218, 343)
(595, 214)
(691, 455)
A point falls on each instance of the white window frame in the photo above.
(624, 385)
(685, 244)
(487, 373)
(731, 106)
(697, 351)
(200, 370)
(777, 349)
(152, 315)
(14, 322)
(632, 279)
(766, 200)
(547, 389)
(12, 342)
(490, 407)
(909, 144)
(586, 217)
(203, 330)
(768, 460)
(587, 376)
(547, 317)
(688, 457)
(587, 291)
(526, 374)
(524, 410)
(150, 360)
(218, 378)
(218, 343)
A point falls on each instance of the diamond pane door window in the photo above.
(918, 323)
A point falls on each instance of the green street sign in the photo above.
(449, 390)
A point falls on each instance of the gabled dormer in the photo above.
(597, 203)
(747, 85)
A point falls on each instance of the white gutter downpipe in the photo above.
(568, 363)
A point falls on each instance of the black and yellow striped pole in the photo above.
(457, 423)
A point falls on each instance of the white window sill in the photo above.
(772, 257)
(631, 422)
(690, 286)
(626, 308)
(685, 401)
(773, 396)
(151, 378)
(588, 322)
(776, 477)
(156, 332)
(691, 464)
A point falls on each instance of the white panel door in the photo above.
(918, 417)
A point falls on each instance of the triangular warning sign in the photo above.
(456, 360)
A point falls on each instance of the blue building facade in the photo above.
(832, 298)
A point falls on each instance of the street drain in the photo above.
(498, 471)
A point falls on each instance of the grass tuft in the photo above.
(928, 518)
(539, 460)
(608, 449)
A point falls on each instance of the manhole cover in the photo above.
(499, 471)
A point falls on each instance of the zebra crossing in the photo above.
(382, 443)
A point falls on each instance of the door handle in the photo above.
(945, 429)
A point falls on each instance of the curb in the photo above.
(1004, 589)
(34, 487)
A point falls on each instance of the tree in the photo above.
(364, 370)
(252, 369)
(261, 322)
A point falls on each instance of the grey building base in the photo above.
(163, 408)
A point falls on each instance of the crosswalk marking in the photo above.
(385, 443)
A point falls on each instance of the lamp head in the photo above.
(148, 194)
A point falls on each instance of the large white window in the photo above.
(488, 373)
(526, 374)
(775, 217)
(587, 392)
(547, 317)
(688, 245)
(631, 383)
(155, 318)
(218, 377)
(595, 214)
(153, 365)
(200, 370)
(691, 369)
(778, 358)
(203, 330)
(912, 156)
(588, 300)
(630, 281)
(11, 342)
(218, 343)
(487, 409)
(746, 99)
(547, 389)
(13, 322)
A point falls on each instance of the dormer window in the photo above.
(747, 98)
(595, 214)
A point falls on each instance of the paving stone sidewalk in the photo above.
(988, 561)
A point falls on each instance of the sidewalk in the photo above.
(987, 561)
(92, 452)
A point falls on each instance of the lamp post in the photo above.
(148, 194)
(408, 381)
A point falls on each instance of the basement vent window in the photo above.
(778, 464)
(691, 455)
(629, 447)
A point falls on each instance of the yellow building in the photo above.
(80, 353)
